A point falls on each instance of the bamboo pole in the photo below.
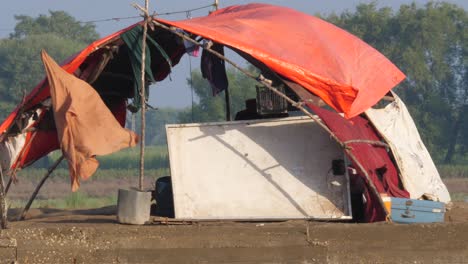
(142, 93)
(39, 186)
(3, 204)
(267, 83)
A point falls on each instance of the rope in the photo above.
(108, 19)
(184, 11)
(117, 19)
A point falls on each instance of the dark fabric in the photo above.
(214, 70)
(374, 159)
(133, 39)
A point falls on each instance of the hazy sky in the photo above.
(167, 93)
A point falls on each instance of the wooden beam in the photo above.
(39, 186)
(3, 204)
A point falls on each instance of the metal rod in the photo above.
(39, 186)
(298, 105)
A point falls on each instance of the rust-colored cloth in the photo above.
(85, 126)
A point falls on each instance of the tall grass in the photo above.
(453, 171)
(156, 157)
(76, 200)
(36, 174)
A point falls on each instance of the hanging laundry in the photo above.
(214, 69)
(191, 49)
(85, 126)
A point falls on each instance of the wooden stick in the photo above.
(7, 188)
(3, 204)
(364, 141)
(298, 105)
(142, 94)
(39, 186)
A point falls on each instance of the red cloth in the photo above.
(374, 159)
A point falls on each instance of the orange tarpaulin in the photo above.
(344, 71)
(85, 126)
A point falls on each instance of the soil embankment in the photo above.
(93, 236)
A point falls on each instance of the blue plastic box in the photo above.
(417, 211)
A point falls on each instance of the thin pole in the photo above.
(7, 188)
(3, 205)
(267, 83)
(227, 96)
(39, 186)
(143, 98)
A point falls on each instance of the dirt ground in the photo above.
(93, 236)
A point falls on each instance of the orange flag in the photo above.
(85, 126)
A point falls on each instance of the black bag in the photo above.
(164, 197)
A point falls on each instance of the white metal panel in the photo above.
(264, 169)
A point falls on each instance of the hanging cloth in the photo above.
(133, 39)
(214, 70)
(418, 172)
(85, 126)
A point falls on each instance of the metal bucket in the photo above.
(133, 206)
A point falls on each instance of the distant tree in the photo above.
(57, 22)
(429, 44)
(20, 65)
(211, 108)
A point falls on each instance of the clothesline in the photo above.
(187, 11)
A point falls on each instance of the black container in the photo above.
(164, 197)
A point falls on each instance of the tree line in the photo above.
(428, 43)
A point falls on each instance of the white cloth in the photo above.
(417, 170)
(10, 150)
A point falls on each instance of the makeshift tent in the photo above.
(307, 55)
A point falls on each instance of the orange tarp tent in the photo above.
(341, 69)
